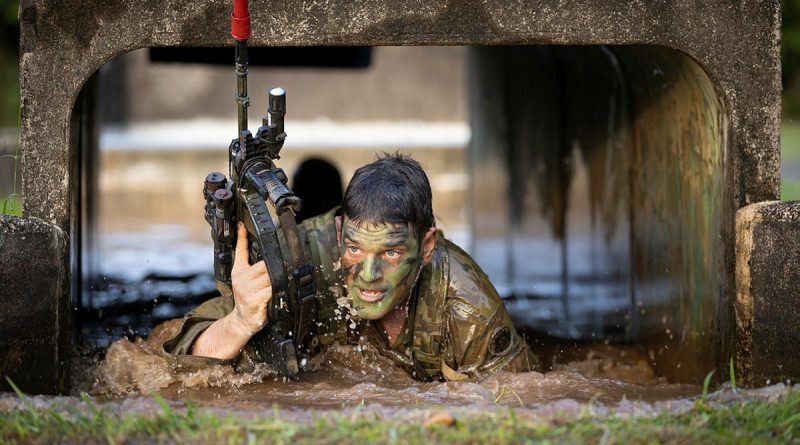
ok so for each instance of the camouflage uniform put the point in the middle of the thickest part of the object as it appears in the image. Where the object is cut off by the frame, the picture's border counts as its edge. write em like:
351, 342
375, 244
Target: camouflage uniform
457, 327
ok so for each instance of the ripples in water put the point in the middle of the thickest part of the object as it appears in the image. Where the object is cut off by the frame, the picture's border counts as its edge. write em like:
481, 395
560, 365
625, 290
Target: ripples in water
356, 375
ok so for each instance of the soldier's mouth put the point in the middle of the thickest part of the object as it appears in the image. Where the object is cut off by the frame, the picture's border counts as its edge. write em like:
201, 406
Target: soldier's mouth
370, 296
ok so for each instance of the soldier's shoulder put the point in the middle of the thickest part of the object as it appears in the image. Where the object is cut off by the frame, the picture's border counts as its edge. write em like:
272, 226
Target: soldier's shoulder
321, 222
470, 292
320, 234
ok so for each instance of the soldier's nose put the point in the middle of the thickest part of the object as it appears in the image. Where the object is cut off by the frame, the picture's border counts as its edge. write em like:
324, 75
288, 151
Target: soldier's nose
370, 270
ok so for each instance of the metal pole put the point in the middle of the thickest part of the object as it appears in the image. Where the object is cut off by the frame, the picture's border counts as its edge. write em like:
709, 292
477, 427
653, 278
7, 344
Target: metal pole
240, 30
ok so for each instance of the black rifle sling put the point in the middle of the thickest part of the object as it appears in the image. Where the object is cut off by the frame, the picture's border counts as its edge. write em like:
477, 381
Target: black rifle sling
267, 247
302, 274
271, 341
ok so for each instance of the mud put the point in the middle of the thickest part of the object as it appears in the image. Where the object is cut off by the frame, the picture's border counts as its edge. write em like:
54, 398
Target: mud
357, 375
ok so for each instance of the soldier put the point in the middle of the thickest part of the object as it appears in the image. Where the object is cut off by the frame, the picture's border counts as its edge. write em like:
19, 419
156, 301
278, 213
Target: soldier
417, 297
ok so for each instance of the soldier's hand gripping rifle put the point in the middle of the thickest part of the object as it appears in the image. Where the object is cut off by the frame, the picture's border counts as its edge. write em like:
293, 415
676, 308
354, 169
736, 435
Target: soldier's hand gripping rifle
255, 180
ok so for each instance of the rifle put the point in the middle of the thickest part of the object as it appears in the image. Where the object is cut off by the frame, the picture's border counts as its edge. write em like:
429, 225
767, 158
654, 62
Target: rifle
255, 180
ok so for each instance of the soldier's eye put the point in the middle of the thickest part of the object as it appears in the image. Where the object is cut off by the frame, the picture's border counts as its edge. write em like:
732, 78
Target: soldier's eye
392, 253
353, 249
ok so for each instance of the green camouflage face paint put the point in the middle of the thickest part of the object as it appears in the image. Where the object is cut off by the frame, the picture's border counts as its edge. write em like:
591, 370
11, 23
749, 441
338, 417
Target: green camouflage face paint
382, 262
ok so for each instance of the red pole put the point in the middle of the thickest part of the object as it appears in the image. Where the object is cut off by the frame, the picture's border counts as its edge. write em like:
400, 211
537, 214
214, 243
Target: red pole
240, 20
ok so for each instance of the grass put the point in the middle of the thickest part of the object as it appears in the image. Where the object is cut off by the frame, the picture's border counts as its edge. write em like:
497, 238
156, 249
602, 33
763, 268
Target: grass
11, 205
756, 422
706, 383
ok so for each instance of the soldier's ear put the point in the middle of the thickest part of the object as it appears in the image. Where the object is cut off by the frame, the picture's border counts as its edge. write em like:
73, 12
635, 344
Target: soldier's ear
428, 244
338, 221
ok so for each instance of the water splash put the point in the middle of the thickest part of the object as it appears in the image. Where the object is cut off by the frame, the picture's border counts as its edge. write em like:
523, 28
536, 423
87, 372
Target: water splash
354, 374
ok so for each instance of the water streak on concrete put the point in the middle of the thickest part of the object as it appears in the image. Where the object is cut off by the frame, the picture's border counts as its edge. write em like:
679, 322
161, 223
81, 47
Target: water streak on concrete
600, 177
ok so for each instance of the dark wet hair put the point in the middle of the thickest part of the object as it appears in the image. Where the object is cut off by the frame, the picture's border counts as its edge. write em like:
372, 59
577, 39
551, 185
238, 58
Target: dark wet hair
393, 189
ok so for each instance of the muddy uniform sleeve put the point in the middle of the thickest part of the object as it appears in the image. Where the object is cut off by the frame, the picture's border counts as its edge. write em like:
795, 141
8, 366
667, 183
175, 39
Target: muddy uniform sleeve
480, 338
177, 349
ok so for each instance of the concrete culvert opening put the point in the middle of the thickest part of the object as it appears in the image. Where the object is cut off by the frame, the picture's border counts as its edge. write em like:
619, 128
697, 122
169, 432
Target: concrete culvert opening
599, 188
589, 182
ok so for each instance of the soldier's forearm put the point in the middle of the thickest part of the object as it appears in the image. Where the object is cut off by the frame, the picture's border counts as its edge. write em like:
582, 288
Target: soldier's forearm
224, 339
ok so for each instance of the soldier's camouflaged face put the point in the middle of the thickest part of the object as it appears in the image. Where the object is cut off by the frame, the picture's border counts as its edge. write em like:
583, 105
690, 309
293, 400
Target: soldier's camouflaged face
382, 257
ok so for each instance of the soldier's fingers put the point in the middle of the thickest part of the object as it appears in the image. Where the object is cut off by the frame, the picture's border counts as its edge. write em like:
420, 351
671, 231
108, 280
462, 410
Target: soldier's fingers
255, 271
260, 268
264, 295
241, 258
261, 283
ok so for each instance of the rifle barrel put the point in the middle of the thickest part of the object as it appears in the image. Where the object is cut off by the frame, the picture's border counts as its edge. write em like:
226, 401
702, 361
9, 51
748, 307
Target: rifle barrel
242, 99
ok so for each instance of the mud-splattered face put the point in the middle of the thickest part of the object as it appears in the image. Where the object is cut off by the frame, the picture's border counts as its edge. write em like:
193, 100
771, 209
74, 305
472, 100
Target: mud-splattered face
381, 262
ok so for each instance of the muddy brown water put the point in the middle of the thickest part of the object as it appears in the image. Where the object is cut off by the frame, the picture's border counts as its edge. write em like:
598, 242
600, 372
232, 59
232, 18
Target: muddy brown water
354, 375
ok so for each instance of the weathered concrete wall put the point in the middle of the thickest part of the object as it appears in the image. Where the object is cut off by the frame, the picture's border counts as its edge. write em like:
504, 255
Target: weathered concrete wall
64, 42
34, 296
767, 292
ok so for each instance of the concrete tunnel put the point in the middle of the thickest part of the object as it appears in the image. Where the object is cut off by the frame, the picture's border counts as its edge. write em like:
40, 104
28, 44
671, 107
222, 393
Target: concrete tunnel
598, 173
605, 170
583, 163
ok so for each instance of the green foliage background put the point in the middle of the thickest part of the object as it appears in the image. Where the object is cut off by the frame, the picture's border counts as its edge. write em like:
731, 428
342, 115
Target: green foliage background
790, 77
